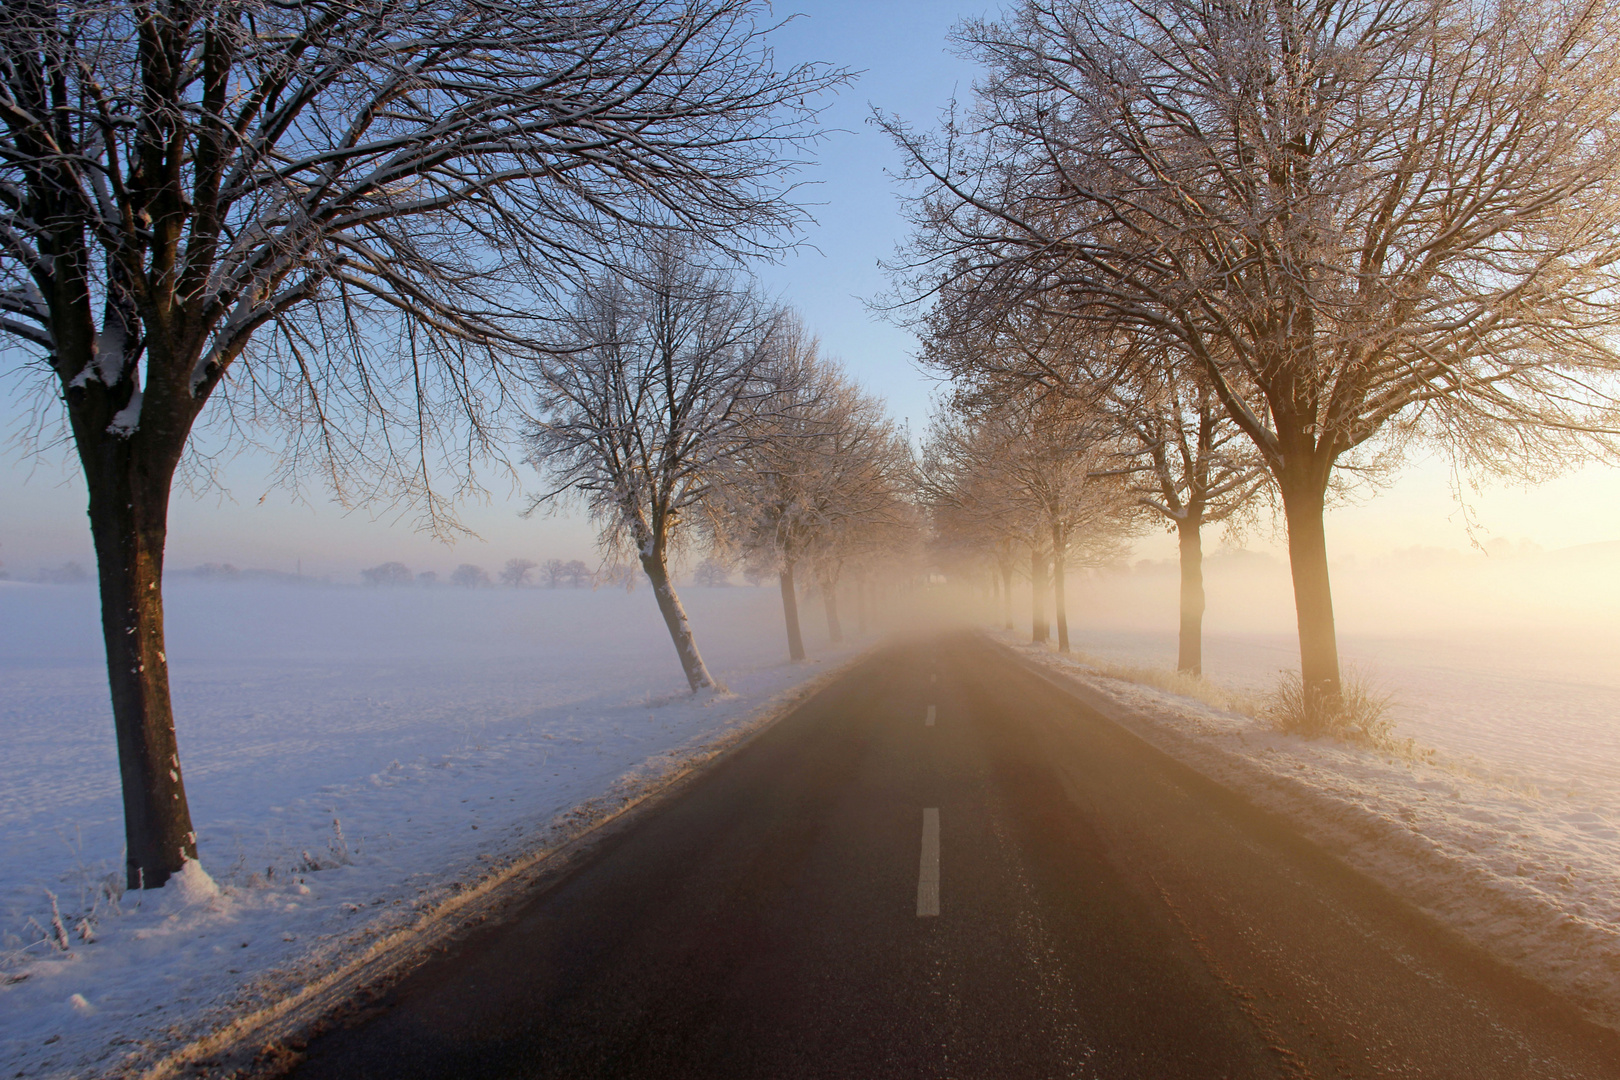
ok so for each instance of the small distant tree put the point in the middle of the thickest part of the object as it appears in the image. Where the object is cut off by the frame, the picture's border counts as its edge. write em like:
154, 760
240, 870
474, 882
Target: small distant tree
388, 573
427, 577
711, 573
618, 575
69, 573
578, 574
553, 572
468, 576
647, 401
517, 571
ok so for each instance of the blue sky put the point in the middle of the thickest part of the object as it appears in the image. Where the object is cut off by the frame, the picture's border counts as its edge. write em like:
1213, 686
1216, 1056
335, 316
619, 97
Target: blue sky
900, 50
907, 69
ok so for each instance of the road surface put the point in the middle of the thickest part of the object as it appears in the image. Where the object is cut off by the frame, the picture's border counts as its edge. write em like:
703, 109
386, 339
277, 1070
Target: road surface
944, 867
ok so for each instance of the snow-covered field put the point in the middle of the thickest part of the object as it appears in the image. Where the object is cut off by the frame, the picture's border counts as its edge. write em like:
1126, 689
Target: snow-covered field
359, 757
353, 757
1504, 820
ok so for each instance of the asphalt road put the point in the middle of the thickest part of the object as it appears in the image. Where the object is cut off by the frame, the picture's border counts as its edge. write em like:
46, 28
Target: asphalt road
942, 866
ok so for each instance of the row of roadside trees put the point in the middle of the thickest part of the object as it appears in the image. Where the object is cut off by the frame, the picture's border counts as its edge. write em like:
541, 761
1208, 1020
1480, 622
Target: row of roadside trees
1263, 249
682, 409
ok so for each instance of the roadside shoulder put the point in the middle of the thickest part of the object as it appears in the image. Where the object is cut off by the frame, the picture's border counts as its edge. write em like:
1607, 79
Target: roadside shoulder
1512, 872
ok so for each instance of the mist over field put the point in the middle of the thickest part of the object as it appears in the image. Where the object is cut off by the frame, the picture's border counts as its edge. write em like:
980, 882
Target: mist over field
1509, 659
1558, 610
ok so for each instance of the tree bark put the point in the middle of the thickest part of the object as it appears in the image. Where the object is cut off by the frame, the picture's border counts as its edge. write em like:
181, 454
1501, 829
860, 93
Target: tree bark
1060, 597
1006, 593
1037, 589
790, 612
128, 505
680, 628
829, 603
1190, 654
1304, 500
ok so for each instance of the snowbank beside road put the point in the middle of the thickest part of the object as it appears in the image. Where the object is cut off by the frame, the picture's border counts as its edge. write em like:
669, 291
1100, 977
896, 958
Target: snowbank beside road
1530, 872
354, 758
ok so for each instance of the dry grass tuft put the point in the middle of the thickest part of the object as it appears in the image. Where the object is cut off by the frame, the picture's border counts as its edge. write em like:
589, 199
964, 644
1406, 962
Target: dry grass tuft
1360, 716
1178, 682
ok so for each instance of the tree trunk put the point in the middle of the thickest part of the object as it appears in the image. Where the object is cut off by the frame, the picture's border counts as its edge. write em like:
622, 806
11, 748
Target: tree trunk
1037, 590
1006, 593
129, 526
790, 611
1190, 655
829, 602
1303, 505
1060, 596
680, 629
860, 605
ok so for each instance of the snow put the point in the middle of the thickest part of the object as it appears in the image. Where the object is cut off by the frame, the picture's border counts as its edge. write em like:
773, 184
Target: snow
1502, 815
354, 758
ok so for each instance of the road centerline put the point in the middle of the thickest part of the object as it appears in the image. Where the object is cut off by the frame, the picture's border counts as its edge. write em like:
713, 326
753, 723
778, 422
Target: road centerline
928, 871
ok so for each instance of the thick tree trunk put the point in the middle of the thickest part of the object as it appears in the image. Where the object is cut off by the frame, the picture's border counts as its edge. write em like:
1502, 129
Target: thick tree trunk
829, 603
1303, 506
1060, 594
1190, 655
1037, 589
680, 629
1006, 594
128, 525
790, 612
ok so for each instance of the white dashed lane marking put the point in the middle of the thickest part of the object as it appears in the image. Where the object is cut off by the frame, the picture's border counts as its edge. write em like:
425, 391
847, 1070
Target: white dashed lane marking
928, 872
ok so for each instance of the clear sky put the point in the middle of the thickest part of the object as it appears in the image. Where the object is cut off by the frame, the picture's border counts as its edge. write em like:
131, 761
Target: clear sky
906, 68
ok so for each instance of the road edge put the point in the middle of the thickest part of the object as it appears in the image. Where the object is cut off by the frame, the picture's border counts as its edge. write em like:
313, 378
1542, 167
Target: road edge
266, 1041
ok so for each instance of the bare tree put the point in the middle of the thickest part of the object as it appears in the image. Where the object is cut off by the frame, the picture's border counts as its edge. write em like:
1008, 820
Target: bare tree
618, 575
517, 571
388, 573
1042, 465
1193, 467
577, 574
468, 576
1188, 461
823, 481
1365, 222
712, 573
971, 508
647, 403
313, 212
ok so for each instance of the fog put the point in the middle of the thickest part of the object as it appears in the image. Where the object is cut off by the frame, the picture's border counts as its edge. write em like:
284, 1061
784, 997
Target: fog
1554, 612
1506, 663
